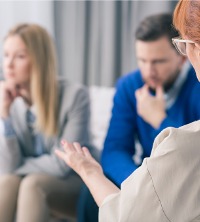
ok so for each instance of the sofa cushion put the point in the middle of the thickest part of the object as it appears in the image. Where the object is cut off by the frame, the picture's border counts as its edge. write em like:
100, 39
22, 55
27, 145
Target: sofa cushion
101, 107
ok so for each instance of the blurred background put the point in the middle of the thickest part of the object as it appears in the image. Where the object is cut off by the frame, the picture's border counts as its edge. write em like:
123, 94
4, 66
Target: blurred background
94, 39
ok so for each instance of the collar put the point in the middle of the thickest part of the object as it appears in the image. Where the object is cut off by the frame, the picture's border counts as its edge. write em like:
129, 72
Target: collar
172, 94
31, 114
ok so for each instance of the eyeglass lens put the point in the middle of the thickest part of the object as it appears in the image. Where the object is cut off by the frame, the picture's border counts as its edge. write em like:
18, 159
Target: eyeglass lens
181, 47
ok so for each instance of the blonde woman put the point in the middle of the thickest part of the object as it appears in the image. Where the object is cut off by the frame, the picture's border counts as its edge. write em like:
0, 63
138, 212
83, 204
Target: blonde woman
36, 111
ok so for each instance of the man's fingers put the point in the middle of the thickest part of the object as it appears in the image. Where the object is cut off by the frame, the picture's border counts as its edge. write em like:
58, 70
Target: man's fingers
159, 92
138, 93
142, 93
145, 88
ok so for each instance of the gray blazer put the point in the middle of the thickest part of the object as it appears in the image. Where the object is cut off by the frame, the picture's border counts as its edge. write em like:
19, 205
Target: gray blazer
17, 152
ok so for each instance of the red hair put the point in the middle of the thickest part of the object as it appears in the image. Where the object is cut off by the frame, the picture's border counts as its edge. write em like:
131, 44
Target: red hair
187, 19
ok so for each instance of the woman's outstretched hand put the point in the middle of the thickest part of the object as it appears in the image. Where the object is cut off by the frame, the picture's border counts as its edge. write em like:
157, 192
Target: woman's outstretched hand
81, 161
78, 158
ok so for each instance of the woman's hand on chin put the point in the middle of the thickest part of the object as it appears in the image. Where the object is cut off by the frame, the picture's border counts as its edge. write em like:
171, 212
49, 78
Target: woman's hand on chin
8, 92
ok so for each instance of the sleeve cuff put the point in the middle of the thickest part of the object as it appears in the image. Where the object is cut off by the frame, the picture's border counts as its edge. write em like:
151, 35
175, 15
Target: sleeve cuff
6, 128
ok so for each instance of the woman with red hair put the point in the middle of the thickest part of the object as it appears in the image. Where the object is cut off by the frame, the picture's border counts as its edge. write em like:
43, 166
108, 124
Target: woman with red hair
166, 187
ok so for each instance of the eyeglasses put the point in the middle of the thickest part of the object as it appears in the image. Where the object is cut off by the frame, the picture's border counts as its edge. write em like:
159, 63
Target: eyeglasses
180, 45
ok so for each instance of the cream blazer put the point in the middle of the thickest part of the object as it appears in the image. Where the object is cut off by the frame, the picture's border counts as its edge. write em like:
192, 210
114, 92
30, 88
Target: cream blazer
167, 185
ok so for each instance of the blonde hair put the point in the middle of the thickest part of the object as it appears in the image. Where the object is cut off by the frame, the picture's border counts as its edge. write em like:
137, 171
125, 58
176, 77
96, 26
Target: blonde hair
43, 84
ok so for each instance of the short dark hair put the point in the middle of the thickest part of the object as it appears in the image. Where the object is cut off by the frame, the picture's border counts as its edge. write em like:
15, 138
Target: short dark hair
156, 26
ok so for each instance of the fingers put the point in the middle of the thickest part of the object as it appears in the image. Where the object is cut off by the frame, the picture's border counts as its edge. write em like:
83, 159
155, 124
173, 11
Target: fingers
60, 154
86, 152
145, 89
8, 90
159, 92
142, 92
138, 93
78, 147
68, 147
72, 147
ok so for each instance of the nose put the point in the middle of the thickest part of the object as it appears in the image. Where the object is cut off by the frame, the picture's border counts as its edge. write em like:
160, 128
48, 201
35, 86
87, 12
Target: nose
9, 61
150, 69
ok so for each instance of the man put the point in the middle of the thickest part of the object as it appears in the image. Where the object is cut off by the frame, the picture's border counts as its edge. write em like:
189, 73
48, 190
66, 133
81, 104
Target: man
163, 92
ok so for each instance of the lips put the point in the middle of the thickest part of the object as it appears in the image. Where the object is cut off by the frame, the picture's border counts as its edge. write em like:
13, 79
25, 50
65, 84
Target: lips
152, 83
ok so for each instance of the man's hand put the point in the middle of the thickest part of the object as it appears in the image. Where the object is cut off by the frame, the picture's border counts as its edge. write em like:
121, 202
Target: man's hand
151, 108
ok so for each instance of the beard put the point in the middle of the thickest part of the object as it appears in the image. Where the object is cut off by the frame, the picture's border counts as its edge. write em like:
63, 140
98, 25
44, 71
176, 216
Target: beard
167, 85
